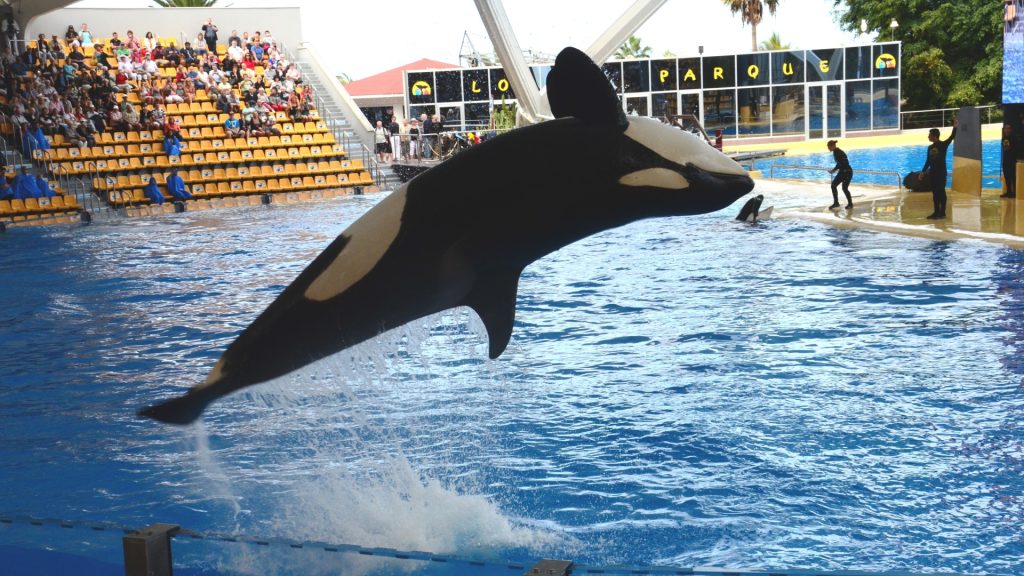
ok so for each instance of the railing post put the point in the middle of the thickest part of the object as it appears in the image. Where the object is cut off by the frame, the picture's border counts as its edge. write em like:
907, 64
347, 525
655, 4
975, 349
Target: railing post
550, 568
147, 552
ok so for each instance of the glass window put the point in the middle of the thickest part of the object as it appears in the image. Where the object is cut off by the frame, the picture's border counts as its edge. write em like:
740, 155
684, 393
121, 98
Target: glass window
787, 67
690, 104
886, 60
824, 65
636, 76
664, 104
663, 76
415, 111
449, 86
755, 118
452, 117
474, 85
540, 75
858, 106
858, 63
500, 86
788, 110
613, 71
720, 72
689, 74
720, 111
478, 115
420, 87
885, 104
752, 69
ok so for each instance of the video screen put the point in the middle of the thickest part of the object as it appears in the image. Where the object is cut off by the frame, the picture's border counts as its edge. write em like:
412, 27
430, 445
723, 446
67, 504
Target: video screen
1013, 51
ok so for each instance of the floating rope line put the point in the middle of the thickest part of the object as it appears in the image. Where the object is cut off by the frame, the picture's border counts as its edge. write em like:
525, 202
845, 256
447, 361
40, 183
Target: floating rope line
379, 552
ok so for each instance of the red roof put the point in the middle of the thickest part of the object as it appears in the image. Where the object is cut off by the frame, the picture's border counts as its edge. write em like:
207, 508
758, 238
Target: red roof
390, 82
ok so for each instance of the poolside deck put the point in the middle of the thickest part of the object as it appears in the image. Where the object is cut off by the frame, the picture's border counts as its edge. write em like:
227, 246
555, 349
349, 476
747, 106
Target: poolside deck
885, 208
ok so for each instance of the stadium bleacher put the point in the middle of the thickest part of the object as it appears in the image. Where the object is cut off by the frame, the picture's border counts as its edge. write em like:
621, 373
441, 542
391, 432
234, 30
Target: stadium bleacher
303, 162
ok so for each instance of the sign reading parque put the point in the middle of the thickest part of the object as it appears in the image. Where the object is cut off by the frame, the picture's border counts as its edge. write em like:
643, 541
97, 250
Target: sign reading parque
815, 93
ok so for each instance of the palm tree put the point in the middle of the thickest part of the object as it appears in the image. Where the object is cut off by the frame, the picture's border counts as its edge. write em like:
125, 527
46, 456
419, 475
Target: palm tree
632, 48
185, 3
751, 12
774, 43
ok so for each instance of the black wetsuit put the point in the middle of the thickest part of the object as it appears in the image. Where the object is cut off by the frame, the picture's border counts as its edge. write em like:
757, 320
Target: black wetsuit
935, 169
843, 176
1011, 152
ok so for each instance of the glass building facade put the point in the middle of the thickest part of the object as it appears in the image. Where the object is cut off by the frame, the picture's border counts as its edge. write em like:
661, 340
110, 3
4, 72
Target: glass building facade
823, 93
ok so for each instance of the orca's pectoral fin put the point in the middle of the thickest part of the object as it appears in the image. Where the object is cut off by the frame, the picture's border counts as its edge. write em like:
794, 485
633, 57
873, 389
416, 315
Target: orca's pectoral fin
494, 300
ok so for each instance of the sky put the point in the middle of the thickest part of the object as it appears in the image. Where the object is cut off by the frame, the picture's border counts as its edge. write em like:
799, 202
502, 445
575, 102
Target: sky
362, 38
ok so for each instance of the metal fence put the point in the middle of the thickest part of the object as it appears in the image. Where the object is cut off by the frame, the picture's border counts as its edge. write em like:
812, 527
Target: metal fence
148, 551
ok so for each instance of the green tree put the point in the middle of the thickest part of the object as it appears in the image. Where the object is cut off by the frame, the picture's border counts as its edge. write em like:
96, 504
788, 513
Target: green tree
633, 48
774, 43
951, 52
751, 12
185, 3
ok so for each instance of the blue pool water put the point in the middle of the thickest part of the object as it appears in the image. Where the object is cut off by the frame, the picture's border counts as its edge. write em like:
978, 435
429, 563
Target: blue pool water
901, 159
682, 392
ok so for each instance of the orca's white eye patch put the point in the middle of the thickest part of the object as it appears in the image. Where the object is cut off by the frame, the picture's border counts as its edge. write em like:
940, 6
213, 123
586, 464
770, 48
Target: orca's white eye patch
655, 177
680, 147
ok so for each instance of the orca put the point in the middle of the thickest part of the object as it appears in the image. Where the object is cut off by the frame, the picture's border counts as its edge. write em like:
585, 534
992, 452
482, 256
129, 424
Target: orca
751, 210
461, 233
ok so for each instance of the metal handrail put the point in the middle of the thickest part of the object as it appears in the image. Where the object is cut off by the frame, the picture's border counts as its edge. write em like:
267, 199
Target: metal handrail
899, 179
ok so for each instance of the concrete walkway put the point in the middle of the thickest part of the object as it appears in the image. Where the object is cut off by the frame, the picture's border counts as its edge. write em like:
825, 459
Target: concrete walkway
987, 217
885, 208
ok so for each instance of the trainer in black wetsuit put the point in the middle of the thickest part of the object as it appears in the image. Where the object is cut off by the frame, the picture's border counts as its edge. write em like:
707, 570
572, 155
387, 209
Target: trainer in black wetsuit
1011, 145
935, 169
844, 175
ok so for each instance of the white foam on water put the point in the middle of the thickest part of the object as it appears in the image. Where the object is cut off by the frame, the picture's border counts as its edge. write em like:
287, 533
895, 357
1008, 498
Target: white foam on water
356, 461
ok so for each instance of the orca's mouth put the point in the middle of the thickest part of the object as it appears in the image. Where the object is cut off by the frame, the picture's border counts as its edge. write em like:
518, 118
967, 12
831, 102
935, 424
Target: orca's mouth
726, 187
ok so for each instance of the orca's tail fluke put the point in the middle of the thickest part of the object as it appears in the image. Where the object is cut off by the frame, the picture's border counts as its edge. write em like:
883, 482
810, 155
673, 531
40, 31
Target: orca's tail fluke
182, 410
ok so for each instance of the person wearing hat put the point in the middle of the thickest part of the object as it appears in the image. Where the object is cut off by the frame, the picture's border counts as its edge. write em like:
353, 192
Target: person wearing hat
935, 169
843, 174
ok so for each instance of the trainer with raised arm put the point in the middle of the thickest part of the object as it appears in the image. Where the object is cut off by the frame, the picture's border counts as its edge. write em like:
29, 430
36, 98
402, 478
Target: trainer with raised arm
935, 169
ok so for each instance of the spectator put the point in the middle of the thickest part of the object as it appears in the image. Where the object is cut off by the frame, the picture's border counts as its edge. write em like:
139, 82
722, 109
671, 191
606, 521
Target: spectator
132, 43
172, 55
396, 138
71, 36
172, 144
6, 192
176, 187
210, 35
149, 42
25, 185
115, 42
85, 37
189, 55
233, 126
131, 117
152, 191
100, 57
43, 189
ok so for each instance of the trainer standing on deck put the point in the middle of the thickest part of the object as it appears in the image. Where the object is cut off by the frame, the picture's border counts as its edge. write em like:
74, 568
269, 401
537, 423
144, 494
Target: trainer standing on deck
1011, 145
844, 175
935, 169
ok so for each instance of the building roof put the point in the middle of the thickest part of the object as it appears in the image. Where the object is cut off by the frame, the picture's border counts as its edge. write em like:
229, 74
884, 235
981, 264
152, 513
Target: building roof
390, 82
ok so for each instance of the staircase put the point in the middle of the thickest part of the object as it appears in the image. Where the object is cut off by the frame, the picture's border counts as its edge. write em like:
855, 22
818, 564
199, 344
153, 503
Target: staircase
342, 126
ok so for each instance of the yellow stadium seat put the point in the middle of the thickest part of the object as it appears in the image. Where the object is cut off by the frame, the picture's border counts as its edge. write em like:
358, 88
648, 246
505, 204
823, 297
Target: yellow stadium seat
273, 185
223, 156
18, 206
223, 188
32, 205
259, 184
120, 137
198, 189
206, 174
133, 150
243, 171
133, 136
218, 174
246, 154
70, 202
248, 186
57, 203
148, 161
284, 139
258, 155
231, 173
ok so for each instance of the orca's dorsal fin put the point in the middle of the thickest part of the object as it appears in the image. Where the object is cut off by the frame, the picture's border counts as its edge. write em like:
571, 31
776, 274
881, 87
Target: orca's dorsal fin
577, 87
494, 300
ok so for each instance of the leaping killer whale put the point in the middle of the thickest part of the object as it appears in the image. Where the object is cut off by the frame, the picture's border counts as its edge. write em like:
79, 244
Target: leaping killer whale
461, 233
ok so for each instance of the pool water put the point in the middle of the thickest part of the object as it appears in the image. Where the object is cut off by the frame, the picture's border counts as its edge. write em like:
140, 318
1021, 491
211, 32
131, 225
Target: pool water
901, 159
687, 391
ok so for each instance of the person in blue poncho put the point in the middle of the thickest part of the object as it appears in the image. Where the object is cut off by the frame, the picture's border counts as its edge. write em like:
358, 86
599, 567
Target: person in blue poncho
176, 187
33, 139
152, 191
25, 185
172, 144
6, 192
43, 189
